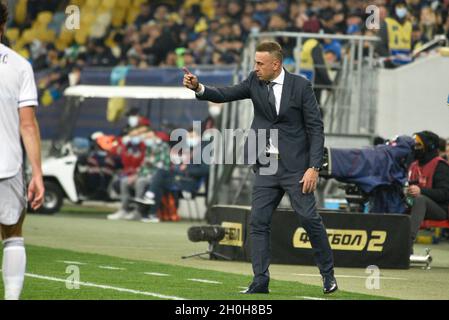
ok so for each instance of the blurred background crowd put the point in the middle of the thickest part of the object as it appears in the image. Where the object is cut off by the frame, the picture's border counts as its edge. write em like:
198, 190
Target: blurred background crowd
175, 33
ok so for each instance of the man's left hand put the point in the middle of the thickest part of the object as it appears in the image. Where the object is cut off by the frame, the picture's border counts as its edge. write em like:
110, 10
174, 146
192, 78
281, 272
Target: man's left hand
414, 191
309, 181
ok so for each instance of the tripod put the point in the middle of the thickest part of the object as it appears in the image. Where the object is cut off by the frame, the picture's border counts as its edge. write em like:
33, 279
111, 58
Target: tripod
209, 252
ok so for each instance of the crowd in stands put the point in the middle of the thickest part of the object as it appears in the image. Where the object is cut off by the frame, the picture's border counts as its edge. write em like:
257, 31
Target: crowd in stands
177, 33
174, 33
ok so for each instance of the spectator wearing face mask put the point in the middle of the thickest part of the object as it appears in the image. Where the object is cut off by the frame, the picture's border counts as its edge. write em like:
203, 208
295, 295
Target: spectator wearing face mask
184, 175
396, 36
157, 157
132, 156
429, 182
135, 119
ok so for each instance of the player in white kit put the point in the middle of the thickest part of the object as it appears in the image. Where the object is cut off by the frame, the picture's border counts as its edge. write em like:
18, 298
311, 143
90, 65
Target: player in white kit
18, 99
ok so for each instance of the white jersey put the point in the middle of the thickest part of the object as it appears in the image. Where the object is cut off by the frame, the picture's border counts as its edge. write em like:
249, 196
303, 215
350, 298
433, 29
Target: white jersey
17, 90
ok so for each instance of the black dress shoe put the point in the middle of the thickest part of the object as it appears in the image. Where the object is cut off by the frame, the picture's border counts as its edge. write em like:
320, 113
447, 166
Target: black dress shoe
255, 289
329, 284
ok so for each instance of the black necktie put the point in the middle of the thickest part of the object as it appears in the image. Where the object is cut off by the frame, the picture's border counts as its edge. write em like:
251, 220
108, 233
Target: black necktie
271, 97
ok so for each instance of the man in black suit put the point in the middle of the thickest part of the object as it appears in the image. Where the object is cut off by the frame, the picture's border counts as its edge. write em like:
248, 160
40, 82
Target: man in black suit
285, 103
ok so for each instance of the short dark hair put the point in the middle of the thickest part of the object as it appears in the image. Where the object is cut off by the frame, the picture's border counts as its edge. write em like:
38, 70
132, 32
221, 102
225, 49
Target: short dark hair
272, 47
3, 13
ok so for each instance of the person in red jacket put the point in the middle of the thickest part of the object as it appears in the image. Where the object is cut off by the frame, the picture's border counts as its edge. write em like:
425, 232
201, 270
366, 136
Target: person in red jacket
132, 153
429, 182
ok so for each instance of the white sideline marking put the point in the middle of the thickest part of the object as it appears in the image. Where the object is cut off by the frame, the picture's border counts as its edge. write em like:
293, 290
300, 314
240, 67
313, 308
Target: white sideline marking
110, 268
101, 286
204, 281
310, 298
344, 276
72, 262
157, 274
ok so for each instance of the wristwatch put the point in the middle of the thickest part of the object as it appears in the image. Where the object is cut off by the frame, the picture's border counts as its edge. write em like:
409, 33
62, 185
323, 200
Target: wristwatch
316, 169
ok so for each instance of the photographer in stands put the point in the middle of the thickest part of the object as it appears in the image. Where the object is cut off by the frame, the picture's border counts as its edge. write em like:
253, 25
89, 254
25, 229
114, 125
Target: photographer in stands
429, 182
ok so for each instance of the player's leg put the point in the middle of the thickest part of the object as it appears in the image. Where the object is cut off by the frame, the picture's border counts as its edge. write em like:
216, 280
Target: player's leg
12, 214
14, 259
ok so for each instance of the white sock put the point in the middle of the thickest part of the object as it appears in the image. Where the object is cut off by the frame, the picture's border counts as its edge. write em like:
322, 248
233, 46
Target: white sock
14, 262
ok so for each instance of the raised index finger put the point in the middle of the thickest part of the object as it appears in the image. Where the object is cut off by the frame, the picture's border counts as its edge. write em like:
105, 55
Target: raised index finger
186, 71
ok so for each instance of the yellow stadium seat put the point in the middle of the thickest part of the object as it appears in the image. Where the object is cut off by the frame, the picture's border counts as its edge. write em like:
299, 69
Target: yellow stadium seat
109, 4
12, 34
88, 18
123, 4
66, 36
44, 18
78, 3
110, 40
118, 17
49, 36
61, 45
92, 4
21, 12
81, 36
17, 47
39, 33
138, 3
28, 36
132, 16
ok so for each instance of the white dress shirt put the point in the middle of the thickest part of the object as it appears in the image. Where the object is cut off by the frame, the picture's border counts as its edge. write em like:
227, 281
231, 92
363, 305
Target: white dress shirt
277, 89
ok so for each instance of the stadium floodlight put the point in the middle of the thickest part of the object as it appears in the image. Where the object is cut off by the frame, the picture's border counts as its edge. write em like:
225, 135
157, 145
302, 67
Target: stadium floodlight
210, 233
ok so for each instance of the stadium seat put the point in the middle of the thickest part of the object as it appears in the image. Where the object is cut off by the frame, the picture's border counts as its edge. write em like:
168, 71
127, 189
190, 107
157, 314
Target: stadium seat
49, 36
78, 3
88, 19
44, 18
138, 3
21, 12
124, 4
66, 35
61, 45
28, 36
118, 17
81, 36
426, 224
12, 34
132, 15
92, 4
108, 4
435, 227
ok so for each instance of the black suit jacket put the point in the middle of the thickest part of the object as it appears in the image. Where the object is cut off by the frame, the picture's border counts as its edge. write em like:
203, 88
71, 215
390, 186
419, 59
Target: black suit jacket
299, 123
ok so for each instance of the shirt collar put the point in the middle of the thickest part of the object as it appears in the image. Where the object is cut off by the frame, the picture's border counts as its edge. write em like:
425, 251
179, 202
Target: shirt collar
280, 78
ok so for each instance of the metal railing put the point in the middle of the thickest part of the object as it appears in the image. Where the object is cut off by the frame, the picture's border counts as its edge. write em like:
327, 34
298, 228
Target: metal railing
350, 104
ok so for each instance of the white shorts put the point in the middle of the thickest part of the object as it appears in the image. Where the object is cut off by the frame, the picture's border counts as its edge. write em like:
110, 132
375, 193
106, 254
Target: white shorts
12, 199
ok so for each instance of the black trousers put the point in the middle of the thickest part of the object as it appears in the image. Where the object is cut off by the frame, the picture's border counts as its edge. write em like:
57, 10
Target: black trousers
267, 193
424, 208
